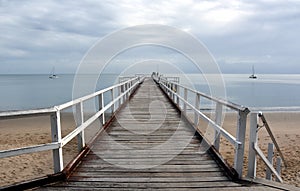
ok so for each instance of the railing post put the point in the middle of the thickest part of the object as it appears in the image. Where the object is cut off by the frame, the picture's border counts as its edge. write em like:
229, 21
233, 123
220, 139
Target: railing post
270, 159
101, 105
197, 105
122, 91
278, 167
178, 93
79, 120
119, 93
252, 140
126, 88
185, 99
172, 94
218, 120
240, 136
56, 137
112, 99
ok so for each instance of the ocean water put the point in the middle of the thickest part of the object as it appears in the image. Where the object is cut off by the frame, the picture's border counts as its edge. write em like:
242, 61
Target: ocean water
22, 92
268, 92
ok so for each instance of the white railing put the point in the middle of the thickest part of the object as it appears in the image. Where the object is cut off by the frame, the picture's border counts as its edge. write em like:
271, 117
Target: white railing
254, 149
171, 86
120, 93
173, 89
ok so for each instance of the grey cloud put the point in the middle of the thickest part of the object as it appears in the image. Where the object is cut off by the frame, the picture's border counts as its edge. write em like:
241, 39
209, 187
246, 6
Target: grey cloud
238, 33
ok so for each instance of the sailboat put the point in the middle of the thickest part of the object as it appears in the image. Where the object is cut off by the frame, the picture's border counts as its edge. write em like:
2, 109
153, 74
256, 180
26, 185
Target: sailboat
53, 75
253, 76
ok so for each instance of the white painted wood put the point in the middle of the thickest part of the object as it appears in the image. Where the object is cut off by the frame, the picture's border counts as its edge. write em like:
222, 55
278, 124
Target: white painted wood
92, 95
56, 137
185, 99
26, 113
119, 93
266, 161
57, 141
228, 104
270, 158
218, 120
197, 106
252, 162
240, 136
112, 98
29, 149
177, 93
79, 119
224, 133
101, 105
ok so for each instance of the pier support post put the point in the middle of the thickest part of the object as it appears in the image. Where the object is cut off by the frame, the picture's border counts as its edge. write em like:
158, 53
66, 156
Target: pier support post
240, 135
56, 137
79, 120
252, 140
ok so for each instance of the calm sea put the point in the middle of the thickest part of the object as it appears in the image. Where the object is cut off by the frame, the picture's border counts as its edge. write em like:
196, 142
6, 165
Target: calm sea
268, 92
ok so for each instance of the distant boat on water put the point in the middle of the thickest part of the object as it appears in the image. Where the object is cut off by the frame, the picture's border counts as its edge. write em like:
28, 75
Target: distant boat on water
52, 74
253, 76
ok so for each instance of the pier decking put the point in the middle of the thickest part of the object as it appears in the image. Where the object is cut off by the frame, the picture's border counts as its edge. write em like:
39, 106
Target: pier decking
150, 149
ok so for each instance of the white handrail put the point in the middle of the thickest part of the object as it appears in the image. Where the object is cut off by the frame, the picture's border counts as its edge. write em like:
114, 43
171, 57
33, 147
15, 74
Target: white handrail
227, 135
172, 89
217, 100
127, 89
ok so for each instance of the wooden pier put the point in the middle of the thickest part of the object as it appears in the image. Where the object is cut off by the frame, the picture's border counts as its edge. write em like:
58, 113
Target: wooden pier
147, 144
111, 167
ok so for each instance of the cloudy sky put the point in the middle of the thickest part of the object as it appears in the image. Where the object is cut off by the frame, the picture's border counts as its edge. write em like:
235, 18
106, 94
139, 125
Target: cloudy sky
37, 35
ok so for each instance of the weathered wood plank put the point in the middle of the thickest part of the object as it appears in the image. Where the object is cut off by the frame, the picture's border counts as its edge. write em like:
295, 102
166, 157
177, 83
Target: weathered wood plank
148, 174
158, 185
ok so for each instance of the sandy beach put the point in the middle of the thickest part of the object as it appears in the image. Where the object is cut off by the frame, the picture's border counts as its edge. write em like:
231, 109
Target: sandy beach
30, 131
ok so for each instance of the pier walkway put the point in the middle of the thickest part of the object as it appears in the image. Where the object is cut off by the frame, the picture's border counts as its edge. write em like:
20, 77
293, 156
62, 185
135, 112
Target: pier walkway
150, 145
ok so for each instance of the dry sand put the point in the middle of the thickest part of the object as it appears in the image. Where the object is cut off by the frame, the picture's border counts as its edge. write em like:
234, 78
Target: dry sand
31, 131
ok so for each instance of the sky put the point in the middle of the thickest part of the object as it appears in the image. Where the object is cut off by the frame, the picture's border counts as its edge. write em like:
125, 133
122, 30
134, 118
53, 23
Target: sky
36, 36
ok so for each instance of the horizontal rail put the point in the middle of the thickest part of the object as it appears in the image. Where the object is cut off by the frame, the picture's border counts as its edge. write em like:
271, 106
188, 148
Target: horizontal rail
87, 97
175, 93
218, 100
227, 135
125, 89
29, 149
27, 113
89, 121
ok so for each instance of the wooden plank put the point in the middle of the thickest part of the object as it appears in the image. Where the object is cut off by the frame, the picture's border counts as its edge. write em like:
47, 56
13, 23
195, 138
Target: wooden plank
147, 179
217, 188
151, 170
158, 185
148, 174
